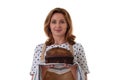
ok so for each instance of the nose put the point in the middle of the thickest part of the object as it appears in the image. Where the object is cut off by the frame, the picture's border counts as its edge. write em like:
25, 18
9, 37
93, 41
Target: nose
58, 24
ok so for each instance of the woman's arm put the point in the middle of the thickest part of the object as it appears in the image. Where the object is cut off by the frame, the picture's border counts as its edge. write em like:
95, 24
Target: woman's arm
81, 59
36, 60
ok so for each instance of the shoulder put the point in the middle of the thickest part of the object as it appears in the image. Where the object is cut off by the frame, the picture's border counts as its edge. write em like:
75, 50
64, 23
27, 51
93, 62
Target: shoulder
78, 45
39, 47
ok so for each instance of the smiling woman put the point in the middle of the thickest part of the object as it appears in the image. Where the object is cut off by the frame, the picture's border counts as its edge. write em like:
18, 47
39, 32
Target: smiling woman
63, 16
58, 28
58, 25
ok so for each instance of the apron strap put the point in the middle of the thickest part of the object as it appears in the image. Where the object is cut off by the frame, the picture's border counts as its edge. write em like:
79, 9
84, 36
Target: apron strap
71, 49
43, 51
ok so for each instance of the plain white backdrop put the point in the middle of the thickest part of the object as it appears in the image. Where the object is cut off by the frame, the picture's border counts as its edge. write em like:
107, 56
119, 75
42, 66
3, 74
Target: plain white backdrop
96, 25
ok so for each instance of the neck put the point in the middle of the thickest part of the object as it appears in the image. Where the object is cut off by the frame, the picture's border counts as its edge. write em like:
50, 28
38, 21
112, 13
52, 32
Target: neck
59, 40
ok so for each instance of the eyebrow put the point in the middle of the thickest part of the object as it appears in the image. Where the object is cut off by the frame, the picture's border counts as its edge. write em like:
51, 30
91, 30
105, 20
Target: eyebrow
55, 19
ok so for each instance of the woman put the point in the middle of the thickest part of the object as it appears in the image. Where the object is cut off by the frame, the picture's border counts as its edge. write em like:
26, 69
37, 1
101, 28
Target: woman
58, 28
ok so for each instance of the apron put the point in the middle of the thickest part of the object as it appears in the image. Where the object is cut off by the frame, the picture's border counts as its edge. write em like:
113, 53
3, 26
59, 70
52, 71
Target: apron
59, 71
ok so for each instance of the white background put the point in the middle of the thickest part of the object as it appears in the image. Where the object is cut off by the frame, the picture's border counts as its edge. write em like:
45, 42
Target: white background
96, 25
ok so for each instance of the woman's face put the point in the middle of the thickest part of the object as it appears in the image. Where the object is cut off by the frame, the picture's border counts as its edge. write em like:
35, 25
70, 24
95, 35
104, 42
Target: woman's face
58, 25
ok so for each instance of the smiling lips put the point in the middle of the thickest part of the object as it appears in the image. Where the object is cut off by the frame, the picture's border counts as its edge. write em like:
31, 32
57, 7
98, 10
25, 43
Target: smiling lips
59, 30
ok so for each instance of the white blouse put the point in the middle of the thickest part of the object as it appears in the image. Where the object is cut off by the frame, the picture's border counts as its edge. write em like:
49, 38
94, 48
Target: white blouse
79, 55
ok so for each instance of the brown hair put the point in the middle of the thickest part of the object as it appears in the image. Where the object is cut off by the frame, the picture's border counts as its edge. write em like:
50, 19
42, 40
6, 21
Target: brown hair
69, 37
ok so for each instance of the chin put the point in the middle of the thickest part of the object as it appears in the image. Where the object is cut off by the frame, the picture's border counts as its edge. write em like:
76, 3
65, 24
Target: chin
59, 35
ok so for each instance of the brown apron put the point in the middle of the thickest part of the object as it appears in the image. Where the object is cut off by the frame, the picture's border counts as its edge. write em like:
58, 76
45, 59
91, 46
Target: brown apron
59, 56
54, 76
54, 73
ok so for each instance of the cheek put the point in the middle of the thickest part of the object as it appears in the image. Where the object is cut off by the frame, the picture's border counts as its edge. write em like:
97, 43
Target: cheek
50, 27
65, 28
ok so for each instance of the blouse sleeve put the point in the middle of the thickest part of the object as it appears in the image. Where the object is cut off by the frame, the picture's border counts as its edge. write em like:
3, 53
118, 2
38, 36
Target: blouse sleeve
81, 58
36, 59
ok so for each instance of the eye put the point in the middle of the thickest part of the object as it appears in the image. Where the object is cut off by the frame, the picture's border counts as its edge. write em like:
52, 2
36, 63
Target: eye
53, 22
62, 21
